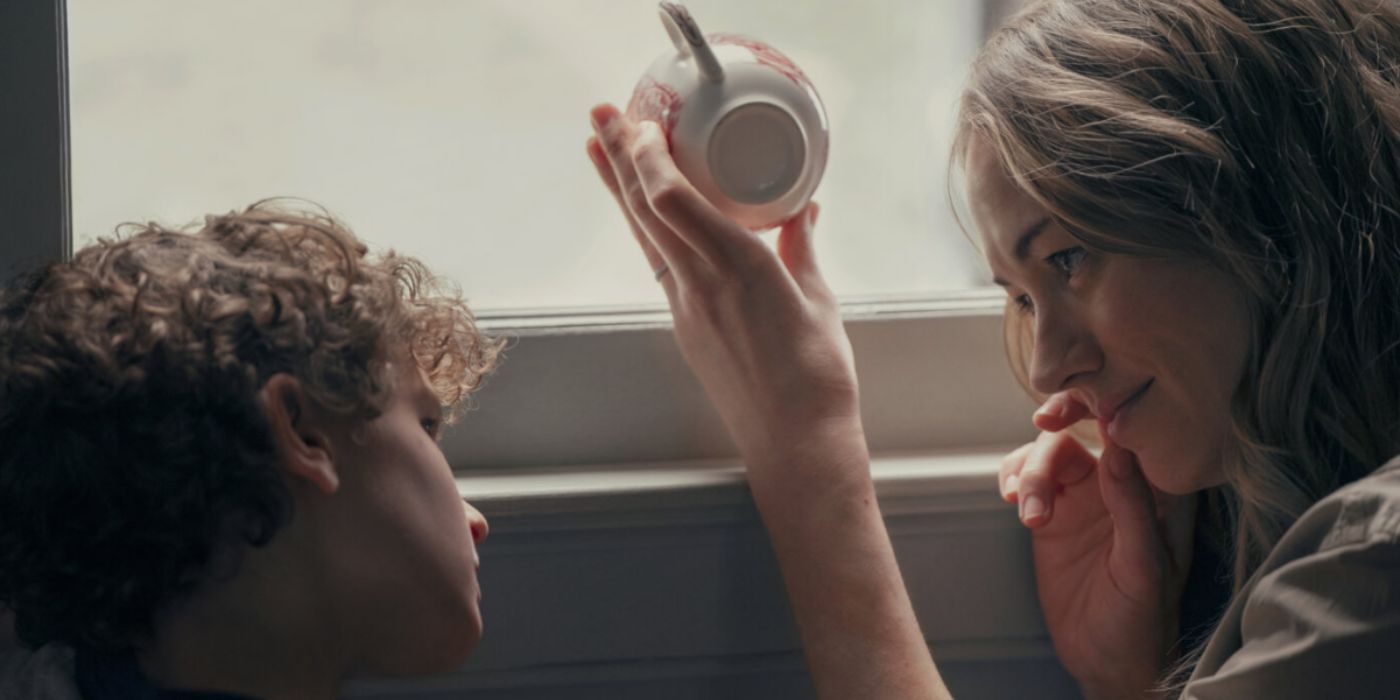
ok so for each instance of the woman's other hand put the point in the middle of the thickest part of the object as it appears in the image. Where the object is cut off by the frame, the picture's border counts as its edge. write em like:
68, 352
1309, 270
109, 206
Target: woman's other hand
1111, 554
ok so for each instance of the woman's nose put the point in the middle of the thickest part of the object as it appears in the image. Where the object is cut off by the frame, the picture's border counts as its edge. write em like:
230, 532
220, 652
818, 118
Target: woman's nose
480, 528
1062, 349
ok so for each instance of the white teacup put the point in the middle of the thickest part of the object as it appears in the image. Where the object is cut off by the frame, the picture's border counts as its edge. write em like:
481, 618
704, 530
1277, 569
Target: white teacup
745, 125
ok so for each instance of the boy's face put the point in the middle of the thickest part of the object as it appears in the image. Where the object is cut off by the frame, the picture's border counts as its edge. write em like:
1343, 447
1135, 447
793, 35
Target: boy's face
405, 540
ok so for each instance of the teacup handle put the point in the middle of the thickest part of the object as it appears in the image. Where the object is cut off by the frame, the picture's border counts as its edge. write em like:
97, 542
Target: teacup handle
690, 41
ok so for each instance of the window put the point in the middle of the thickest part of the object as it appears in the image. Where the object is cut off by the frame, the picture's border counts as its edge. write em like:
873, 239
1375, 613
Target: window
453, 129
424, 125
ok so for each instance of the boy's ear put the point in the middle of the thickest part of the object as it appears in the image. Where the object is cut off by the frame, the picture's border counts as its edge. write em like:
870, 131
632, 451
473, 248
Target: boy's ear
300, 440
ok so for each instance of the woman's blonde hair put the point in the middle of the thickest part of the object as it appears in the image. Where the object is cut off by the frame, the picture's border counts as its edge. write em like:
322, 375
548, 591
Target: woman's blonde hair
1259, 136
132, 444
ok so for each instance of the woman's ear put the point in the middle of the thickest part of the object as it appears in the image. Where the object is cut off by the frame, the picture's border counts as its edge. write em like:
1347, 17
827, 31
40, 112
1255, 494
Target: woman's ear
299, 436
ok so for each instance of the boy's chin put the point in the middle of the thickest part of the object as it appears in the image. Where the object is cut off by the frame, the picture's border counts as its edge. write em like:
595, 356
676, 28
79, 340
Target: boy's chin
443, 655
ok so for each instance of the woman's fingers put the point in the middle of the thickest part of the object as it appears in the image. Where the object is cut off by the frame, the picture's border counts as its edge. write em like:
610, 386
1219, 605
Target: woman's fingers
617, 136
675, 224
1060, 411
684, 210
1055, 460
1008, 477
605, 173
1137, 538
796, 252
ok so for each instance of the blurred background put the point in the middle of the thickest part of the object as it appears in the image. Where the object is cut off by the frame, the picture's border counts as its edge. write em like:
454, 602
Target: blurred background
454, 129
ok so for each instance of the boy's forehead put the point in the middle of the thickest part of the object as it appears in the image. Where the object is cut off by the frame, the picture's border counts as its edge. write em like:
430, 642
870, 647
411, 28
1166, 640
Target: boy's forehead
411, 380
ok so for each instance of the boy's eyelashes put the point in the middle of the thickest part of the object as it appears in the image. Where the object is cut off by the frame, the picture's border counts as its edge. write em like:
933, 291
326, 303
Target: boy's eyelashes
432, 426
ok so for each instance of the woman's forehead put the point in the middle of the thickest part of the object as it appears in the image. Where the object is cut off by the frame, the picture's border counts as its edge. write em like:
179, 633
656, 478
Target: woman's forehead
1007, 218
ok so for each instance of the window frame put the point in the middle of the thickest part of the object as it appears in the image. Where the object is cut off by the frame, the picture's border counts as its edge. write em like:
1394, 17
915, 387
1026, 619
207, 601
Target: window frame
34, 185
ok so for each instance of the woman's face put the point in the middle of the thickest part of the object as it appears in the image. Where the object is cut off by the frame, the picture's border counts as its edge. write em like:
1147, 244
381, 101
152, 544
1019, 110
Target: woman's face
1154, 348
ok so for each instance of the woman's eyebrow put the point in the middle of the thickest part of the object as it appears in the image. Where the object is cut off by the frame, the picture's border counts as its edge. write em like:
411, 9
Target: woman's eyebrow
1023, 244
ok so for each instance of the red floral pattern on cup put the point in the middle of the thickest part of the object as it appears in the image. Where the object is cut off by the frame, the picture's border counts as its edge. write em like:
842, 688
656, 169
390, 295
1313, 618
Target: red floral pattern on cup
655, 101
763, 53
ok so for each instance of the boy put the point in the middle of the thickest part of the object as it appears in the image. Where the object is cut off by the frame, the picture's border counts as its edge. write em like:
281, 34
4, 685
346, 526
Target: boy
218, 452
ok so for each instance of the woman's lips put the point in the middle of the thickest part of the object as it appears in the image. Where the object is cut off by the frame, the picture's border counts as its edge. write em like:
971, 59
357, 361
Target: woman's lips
1115, 425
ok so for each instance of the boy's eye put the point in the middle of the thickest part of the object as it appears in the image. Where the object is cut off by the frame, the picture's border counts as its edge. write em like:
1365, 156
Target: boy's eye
1067, 261
431, 426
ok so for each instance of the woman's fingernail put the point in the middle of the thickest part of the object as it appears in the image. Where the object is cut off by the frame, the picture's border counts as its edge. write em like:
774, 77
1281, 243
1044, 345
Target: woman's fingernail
602, 116
1032, 507
1013, 482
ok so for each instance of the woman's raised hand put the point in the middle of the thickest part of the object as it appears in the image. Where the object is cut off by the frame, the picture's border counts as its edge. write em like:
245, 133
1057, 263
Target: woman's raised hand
1111, 554
762, 332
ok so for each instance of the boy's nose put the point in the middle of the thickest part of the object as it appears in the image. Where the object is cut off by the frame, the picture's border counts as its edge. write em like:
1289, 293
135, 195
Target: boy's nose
479, 527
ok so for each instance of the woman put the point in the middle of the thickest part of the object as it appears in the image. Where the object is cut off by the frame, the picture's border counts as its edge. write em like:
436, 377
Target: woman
1194, 207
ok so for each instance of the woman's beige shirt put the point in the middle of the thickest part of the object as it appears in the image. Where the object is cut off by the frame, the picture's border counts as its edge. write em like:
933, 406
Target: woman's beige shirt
1321, 617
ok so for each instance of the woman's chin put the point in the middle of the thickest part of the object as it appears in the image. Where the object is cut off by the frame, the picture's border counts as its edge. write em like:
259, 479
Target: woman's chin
1174, 480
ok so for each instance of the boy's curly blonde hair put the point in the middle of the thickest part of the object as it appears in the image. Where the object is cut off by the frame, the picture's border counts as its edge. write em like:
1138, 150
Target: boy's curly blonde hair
131, 440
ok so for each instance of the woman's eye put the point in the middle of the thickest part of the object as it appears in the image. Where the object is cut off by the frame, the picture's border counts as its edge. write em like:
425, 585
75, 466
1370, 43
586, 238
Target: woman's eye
1023, 303
1067, 261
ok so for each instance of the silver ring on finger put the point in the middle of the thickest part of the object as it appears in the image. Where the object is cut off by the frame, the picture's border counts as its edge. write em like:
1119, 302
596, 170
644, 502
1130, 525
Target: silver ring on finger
661, 271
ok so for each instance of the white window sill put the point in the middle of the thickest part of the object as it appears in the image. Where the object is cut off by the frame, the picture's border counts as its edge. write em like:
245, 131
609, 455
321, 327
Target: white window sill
948, 479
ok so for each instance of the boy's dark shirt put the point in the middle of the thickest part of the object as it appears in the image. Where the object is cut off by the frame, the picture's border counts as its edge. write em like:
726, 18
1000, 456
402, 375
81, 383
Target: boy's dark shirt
117, 677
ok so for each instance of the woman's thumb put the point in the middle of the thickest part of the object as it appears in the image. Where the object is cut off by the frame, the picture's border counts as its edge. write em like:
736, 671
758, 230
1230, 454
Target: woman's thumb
1137, 540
